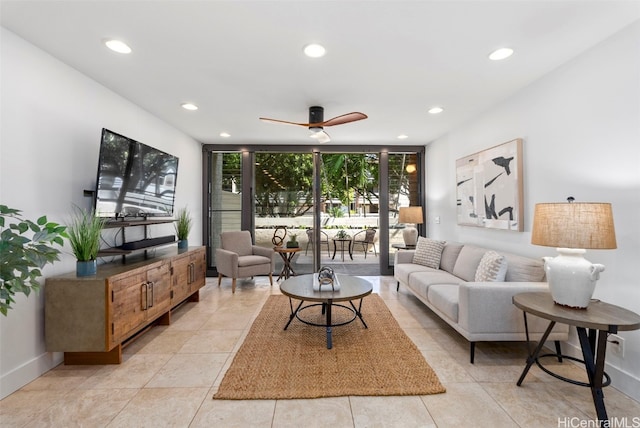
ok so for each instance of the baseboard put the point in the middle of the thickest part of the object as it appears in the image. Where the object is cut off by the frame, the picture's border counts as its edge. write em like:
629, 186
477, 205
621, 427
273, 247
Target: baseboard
620, 380
20, 376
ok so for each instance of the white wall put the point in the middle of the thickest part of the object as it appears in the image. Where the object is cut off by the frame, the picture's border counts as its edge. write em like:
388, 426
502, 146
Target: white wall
581, 131
52, 117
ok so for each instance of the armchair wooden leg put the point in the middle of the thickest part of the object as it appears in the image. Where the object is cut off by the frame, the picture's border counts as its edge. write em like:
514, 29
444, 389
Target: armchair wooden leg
233, 285
271, 279
219, 279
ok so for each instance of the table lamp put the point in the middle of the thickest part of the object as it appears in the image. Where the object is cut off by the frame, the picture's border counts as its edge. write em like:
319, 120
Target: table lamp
572, 228
410, 216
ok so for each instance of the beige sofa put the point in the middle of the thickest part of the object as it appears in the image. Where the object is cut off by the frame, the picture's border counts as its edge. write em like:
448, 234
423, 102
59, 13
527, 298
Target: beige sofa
478, 310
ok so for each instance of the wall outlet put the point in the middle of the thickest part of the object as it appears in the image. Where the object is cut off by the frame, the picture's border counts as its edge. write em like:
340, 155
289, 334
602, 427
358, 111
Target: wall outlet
616, 345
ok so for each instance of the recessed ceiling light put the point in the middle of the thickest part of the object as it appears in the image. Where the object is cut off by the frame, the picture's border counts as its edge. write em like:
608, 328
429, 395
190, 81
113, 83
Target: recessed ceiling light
436, 110
501, 53
117, 46
225, 135
314, 50
402, 137
189, 106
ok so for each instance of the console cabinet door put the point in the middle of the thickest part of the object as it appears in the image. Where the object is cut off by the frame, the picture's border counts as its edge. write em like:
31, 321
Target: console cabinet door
189, 274
128, 305
159, 290
181, 269
198, 258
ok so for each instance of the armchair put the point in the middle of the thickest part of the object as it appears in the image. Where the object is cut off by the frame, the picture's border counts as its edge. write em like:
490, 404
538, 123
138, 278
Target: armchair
365, 238
237, 257
324, 240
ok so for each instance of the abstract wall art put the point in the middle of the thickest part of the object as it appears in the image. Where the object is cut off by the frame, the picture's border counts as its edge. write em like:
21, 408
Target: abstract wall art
489, 188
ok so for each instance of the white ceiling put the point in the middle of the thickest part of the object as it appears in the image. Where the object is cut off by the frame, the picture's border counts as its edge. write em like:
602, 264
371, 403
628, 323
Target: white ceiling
239, 60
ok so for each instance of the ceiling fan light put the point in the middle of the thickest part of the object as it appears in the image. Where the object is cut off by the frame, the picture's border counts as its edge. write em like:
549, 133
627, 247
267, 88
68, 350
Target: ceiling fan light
319, 135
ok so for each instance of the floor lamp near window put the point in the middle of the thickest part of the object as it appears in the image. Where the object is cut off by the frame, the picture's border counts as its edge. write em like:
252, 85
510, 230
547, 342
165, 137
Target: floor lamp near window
410, 216
572, 228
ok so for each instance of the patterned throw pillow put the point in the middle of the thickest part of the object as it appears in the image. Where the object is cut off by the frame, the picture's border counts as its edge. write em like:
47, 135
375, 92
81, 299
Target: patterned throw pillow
492, 268
428, 252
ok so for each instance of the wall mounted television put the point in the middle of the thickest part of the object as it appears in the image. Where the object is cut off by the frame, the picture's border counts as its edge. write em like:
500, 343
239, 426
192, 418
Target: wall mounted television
134, 180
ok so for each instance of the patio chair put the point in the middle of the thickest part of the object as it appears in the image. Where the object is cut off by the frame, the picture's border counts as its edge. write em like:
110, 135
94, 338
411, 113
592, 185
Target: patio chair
324, 240
237, 257
365, 238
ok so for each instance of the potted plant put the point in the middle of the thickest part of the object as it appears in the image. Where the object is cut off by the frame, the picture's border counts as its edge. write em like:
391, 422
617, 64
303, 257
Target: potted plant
21, 257
292, 243
183, 227
342, 234
84, 232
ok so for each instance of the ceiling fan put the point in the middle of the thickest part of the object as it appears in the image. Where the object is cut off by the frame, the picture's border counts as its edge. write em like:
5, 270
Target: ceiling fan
317, 123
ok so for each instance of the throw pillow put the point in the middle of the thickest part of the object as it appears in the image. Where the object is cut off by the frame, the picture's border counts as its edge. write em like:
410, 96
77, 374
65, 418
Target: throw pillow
428, 252
492, 268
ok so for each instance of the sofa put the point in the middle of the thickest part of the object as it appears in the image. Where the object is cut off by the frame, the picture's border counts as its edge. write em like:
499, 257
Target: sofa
471, 289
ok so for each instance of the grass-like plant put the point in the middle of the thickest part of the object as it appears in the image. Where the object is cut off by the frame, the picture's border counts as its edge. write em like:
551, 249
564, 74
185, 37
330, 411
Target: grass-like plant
21, 257
84, 232
183, 223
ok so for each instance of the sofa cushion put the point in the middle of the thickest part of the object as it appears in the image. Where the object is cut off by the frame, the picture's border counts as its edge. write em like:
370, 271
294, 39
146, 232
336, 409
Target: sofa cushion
492, 268
445, 298
402, 271
428, 252
468, 261
524, 269
450, 254
420, 282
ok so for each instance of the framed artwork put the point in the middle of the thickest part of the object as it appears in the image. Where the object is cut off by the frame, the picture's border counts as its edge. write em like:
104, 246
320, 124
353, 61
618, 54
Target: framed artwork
489, 188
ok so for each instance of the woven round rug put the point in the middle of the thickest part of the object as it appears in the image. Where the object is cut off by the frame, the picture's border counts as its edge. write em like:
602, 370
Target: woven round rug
273, 363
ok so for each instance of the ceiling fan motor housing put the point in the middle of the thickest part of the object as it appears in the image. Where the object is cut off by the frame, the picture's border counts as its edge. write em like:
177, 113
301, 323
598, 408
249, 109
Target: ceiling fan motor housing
316, 115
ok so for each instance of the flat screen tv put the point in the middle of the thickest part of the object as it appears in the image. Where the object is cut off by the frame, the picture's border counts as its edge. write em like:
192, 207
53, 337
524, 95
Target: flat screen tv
134, 180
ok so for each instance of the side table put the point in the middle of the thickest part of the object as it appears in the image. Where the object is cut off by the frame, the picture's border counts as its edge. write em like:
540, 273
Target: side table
342, 241
593, 325
287, 255
403, 247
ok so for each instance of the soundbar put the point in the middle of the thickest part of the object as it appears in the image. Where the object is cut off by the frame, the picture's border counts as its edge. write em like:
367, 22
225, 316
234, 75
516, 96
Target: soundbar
149, 242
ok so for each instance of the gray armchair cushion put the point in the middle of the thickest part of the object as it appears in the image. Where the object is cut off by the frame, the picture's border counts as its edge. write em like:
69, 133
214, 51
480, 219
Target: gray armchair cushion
237, 241
252, 260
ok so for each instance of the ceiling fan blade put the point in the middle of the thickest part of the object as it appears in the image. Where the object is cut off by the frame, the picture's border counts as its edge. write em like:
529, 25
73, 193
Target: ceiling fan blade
345, 118
286, 122
321, 136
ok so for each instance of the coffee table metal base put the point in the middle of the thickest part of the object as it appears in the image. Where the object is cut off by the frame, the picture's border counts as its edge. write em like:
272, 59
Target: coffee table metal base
326, 310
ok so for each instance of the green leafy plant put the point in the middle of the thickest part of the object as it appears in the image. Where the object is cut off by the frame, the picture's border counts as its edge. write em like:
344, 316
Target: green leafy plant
183, 223
84, 231
21, 257
342, 234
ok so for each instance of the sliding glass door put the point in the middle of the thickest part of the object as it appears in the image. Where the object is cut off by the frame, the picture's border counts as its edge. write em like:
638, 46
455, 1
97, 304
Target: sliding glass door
340, 205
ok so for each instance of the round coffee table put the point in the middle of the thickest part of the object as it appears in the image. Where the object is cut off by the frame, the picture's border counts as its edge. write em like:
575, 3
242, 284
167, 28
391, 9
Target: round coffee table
301, 288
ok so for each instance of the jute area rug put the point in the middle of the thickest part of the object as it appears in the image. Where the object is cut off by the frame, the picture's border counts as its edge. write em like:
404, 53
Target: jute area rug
276, 364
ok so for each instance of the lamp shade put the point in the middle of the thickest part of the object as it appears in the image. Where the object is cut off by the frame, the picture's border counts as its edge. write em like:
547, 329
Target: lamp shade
410, 215
573, 225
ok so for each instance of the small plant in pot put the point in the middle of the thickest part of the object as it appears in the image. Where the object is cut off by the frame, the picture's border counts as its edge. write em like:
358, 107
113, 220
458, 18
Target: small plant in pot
292, 242
342, 234
84, 232
183, 227
21, 257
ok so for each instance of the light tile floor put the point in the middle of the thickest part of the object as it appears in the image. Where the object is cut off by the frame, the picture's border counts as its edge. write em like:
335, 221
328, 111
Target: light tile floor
170, 374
